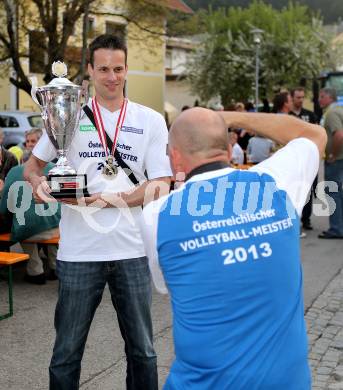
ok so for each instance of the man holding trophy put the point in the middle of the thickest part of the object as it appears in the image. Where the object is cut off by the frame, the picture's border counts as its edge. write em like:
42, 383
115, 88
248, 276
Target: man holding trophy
111, 147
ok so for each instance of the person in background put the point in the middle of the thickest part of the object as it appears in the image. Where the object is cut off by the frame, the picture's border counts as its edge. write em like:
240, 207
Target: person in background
18, 152
237, 152
259, 149
23, 151
7, 161
233, 272
298, 97
282, 103
249, 107
243, 136
239, 107
216, 106
266, 106
37, 222
297, 109
333, 166
32, 136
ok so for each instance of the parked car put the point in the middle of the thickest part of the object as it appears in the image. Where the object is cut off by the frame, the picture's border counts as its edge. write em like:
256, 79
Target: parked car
15, 123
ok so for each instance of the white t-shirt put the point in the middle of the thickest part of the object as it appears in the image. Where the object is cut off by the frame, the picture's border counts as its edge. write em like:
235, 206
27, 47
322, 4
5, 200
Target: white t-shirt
94, 234
293, 168
237, 154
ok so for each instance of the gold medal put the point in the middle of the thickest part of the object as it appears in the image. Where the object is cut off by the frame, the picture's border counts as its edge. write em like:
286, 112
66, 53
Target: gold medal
110, 170
109, 160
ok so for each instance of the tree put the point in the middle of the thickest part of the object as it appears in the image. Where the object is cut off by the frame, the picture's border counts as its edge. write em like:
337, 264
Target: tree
294, 46
48, 25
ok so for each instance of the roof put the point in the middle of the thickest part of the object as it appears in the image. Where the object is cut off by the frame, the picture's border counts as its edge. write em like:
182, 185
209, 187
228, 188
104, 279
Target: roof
179, 5
181, 43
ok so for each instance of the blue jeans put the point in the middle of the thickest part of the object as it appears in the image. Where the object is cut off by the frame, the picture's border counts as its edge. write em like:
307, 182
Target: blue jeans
334, 172
81, 285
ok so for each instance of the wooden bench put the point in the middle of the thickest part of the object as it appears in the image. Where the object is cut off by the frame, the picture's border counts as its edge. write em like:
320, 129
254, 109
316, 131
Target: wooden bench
7, 259
6, 237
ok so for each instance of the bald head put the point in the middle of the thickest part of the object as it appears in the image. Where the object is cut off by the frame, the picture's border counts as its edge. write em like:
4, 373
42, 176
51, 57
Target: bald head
199, 131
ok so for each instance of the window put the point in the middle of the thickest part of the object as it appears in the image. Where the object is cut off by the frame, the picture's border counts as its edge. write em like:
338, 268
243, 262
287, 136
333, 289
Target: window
35, 121
8, 121
116, 29
37, 56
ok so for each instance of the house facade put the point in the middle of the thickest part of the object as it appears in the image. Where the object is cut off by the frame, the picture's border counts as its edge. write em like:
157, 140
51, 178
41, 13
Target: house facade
177, 90
146, 55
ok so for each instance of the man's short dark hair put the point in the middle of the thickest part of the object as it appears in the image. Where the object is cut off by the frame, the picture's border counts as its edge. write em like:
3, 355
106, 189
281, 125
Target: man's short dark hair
300, 89
279, 100
107, 41
330, 92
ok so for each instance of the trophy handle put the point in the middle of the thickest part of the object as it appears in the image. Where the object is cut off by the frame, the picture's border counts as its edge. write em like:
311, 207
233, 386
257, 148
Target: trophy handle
34, 91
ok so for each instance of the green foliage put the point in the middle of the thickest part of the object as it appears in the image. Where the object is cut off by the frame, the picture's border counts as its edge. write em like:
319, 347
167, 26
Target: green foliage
293, 46
179, 24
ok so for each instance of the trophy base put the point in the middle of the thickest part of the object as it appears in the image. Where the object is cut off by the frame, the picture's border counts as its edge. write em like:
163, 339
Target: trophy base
68, 186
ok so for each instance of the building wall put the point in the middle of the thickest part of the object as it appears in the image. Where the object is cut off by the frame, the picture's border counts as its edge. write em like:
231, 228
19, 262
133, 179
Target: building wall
178, 94
145, 82
5, 95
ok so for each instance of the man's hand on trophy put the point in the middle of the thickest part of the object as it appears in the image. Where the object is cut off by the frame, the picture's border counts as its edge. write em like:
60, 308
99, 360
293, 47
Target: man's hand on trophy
99, 200
41, 190
93, 200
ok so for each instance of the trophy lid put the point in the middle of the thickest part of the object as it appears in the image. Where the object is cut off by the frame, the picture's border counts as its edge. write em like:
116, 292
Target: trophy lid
60, 70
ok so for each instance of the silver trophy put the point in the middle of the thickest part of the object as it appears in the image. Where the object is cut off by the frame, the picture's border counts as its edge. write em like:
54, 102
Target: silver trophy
61, 103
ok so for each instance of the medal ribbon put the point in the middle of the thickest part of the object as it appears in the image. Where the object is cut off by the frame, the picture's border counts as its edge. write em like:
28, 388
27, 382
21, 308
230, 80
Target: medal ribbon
101, 128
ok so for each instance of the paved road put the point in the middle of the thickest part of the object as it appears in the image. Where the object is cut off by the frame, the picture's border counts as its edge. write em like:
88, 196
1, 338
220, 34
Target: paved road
321, 259
325, 332
26, 339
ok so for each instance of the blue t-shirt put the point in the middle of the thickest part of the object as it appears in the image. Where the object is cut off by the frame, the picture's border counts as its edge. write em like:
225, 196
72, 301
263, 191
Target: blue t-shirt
228, 247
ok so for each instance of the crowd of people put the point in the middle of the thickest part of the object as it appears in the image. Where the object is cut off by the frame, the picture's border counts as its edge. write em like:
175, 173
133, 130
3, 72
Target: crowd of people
250, 148
233, 270
33, 223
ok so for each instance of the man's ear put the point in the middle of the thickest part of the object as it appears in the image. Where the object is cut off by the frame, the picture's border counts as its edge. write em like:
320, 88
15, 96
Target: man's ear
176, 160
